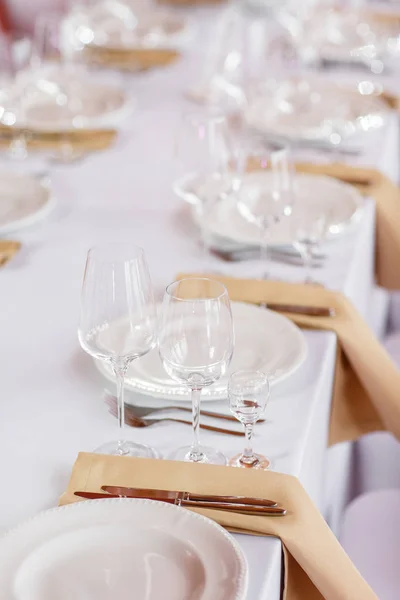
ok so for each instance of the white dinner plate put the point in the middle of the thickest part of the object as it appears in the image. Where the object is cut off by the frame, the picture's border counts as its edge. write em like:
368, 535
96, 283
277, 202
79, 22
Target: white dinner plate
121, 548
264, 340
343, 202
116, 25
24, 200
298, 109
91, 103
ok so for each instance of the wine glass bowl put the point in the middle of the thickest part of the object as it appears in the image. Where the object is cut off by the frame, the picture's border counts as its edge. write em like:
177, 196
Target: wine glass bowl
196, 343
248, 393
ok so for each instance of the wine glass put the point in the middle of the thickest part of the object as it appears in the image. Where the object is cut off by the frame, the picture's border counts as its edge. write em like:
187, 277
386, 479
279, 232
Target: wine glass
13, 98
311, 220
248, 393
196, 343
268, 195
206, 156
58, 73
118, 321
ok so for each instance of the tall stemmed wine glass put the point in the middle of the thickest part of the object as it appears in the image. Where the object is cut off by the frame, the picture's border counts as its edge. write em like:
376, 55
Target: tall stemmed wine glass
118, 321
268, 195
311, 222
205, 152
196, 343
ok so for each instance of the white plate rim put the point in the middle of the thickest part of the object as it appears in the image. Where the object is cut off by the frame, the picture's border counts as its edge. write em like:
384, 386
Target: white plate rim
359, 202
243, 576
311, 133
179, 393
38, 215
107, 119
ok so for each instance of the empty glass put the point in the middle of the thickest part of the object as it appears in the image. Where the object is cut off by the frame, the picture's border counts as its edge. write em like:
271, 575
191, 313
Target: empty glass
268, 196
118, 321
311, 220
196, 343
206, 156
248, 393
13, 98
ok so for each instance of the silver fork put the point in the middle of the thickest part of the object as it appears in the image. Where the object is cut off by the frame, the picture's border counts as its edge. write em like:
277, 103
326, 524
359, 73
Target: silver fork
143, 411
134, 421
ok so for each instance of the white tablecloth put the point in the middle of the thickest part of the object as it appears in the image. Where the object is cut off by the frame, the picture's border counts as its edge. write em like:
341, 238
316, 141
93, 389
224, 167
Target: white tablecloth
51, 406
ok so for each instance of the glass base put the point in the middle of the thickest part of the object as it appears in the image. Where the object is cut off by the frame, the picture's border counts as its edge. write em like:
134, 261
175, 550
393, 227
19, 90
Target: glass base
260, 462
127, 449
206, 455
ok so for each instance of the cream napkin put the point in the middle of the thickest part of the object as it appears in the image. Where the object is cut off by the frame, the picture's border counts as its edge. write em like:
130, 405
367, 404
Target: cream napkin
367, 382
316, 567
86, 140
139, 59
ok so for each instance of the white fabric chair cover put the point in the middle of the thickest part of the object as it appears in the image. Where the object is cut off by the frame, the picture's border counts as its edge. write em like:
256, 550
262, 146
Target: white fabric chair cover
370, 534
377, 456
394, 312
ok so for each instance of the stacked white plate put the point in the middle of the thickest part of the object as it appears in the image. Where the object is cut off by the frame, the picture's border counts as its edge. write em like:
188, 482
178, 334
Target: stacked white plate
225, 221
57, 99
312, 110
264, 340
24, 200
123, 548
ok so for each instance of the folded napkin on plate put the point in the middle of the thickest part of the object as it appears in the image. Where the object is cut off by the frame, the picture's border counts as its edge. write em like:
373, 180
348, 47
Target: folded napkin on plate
316, 567
387, 198
86, 140
139, 59
367, 382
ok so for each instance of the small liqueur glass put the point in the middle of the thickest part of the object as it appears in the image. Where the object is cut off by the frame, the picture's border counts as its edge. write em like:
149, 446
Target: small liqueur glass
248, 393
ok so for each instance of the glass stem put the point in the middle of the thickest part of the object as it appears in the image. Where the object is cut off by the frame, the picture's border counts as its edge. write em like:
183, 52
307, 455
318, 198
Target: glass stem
203, 233
308, 262
248, 455
119, 372
264, 250
195, 454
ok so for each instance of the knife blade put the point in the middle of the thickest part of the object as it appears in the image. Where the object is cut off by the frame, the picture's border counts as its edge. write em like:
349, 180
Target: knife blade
245, 509
175, 495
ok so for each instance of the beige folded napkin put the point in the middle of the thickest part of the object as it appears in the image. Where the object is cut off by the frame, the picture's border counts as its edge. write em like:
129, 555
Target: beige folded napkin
85, 140
316, 567
8, 249
367, 382
387, 198
139, 59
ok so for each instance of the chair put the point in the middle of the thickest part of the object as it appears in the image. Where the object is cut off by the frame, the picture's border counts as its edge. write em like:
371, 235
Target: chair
20, 15
370, 534
4, 19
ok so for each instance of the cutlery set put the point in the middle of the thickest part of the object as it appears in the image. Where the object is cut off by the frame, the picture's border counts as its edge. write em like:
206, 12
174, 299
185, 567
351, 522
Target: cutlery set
288, 257
237, 504
135, 417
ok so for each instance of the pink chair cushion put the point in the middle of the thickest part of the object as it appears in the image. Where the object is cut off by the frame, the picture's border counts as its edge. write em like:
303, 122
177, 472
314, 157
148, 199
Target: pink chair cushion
22, 13
370, 535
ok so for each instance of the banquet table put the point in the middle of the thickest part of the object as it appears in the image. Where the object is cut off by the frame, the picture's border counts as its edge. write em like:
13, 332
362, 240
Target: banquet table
51, 403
